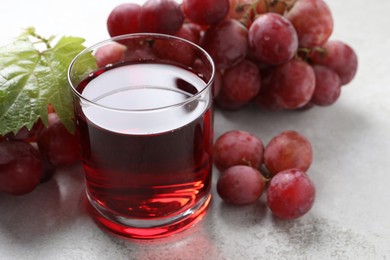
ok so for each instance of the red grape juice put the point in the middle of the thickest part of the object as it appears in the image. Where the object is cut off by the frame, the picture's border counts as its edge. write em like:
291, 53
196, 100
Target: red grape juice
148, 163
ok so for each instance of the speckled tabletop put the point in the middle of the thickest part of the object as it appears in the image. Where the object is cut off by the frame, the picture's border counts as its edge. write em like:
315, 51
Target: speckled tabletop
351, 141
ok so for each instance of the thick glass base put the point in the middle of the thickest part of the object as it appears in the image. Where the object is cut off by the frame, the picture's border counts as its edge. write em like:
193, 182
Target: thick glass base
149, 229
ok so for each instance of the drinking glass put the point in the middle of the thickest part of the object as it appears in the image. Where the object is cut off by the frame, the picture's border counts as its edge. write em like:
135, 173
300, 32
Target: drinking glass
144, 120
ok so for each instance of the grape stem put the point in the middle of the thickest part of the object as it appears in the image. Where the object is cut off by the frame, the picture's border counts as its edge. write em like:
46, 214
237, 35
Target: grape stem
305, 53
241, 7
250, 9
251, 12
289, 4
31, 32
267, 176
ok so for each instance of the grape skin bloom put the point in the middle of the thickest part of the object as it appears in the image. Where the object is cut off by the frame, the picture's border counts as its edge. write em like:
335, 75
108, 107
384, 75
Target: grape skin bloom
238, 147
240, 185
272, 39
286, 150
313, 21
290, 194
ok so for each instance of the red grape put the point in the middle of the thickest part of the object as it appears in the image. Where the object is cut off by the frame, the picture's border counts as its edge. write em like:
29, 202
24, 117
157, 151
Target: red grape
224, 102
227, 43
290, 194
339, 57
189, 32
206, 12
217, 85
174, 50
20, 167
328, 86
292, 84
272, 39
48, 169
308, 106
238, 147
197, 32
55, 142
313, 21
123, 19
138, 50
241, 83
240, 185
287, 150
161, 16
110, 53
266, 98
27, 135
203, 71
261, 7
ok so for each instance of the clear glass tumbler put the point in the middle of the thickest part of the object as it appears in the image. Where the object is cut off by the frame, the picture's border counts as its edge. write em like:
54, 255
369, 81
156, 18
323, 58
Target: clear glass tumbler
144, 119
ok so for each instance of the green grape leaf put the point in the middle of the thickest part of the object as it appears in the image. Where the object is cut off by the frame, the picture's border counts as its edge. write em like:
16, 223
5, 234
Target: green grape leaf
31, 79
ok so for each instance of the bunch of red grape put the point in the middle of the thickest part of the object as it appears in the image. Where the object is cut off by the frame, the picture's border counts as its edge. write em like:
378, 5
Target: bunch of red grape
246, 167
274, 53
31, 157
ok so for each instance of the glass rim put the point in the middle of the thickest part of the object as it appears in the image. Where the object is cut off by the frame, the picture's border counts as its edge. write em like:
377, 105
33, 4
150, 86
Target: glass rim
192, 98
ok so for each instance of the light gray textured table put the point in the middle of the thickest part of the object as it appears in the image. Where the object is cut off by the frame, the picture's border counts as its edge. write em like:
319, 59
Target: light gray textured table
351, 140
